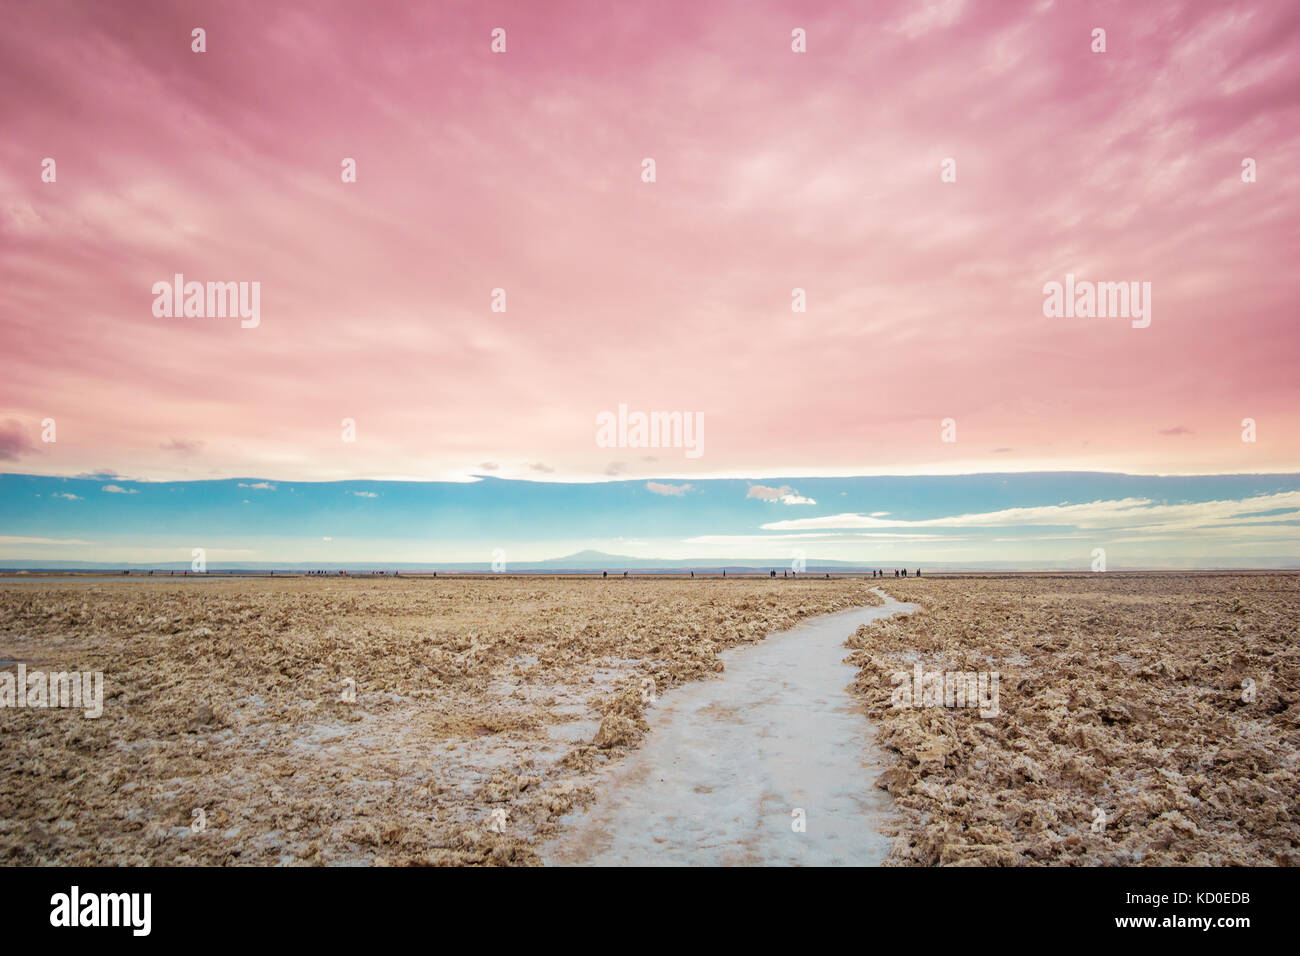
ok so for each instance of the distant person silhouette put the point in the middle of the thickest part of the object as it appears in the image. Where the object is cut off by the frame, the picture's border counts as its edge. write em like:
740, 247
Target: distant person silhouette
604, 574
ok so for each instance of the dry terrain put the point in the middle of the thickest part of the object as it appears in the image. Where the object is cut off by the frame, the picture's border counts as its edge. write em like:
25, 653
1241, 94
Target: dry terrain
1127, 732
228, 697
414, 721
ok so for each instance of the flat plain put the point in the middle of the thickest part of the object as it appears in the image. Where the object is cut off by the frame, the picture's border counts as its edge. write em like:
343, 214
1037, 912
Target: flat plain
1143, 718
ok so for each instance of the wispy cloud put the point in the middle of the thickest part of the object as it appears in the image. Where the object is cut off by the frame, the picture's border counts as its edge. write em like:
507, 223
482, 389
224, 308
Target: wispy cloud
1114, 514
14, 440
1185, 88
119, 490
13, 539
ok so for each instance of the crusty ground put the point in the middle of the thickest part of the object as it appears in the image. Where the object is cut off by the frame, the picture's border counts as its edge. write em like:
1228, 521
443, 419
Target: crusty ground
1118, 692
225, 696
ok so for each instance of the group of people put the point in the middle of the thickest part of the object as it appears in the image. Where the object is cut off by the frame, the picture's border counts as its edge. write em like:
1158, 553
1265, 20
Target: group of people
897, 573
396, 574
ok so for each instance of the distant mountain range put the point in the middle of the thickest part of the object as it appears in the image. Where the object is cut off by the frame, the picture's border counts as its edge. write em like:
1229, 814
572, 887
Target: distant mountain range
600, 561
582, 561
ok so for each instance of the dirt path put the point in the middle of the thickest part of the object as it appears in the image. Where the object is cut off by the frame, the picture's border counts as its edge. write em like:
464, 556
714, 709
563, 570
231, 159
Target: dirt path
727, 763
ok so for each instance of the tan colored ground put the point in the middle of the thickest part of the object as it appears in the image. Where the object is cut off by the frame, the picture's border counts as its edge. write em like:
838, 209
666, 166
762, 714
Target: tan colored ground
1117, 692
472, 695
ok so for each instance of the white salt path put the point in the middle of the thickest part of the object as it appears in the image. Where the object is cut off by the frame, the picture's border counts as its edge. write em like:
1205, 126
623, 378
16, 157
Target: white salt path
726, 762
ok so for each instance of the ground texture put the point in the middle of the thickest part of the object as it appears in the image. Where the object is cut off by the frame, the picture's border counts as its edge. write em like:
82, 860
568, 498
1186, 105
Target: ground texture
1126, 735
481, 709
421, 721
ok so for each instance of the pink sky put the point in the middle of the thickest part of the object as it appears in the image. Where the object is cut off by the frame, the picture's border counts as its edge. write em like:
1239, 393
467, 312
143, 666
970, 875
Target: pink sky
522, 171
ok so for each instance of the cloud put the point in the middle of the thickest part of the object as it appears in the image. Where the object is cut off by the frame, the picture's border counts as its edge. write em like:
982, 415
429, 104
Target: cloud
8, 539
119, 490
935, 15
1176, 430
785, 494
14, 441
615, 468
538, 466
365, 494
1131, 513
182, 445
70, 497
259, 485
1182, 74
676, 491
327, 539
489, 466
771, 196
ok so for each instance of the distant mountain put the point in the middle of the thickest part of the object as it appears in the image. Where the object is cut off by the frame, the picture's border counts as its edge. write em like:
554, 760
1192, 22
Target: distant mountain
600, 561
590, 560
581, 561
